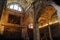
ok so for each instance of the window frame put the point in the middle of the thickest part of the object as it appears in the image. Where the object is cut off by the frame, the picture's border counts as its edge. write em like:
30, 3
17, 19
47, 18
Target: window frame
19, 6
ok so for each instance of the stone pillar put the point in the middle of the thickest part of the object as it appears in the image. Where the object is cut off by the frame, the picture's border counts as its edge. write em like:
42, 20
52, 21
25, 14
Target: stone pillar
24, 33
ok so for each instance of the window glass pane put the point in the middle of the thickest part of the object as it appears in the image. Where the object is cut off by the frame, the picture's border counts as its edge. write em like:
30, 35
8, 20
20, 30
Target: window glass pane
20, 9
16, 7
11, 6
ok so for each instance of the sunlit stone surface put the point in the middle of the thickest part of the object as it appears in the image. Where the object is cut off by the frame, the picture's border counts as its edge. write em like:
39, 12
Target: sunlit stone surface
57, 9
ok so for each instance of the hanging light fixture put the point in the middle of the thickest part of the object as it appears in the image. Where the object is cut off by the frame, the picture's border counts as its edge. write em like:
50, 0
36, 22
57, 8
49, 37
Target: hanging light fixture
31, 26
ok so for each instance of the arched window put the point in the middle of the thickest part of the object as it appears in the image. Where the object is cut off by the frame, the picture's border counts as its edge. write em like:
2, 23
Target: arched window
16, 7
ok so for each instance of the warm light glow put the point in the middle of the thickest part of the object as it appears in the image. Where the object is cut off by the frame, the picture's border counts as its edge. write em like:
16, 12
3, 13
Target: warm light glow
49, 24
30, 26
1, 29
58, 10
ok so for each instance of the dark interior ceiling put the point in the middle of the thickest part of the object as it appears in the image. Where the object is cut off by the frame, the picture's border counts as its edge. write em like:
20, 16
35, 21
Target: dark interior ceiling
57, 2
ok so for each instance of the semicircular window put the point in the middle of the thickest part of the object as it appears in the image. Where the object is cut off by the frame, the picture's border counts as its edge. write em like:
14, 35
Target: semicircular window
16, 7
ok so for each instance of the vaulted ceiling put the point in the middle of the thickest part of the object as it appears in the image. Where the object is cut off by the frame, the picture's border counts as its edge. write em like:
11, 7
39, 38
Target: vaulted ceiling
48, 16
47, 13
23, 3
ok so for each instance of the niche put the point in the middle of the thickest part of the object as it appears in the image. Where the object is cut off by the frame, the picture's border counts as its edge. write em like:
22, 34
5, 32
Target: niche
13, 19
